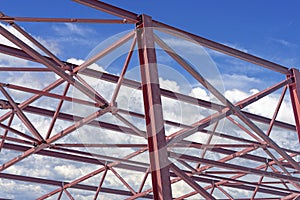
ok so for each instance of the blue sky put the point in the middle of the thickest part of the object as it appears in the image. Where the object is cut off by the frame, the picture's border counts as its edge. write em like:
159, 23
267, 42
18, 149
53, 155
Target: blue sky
266, 28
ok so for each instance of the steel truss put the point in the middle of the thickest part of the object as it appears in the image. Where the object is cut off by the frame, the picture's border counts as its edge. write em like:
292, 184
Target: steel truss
277, 173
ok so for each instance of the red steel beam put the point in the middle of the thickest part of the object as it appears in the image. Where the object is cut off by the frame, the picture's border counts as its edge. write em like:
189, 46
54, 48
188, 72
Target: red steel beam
191, 182
22, 116
48, 94
129, 16
4, 136
232, 183
57, 111
157, 147
226, 181
131, 167
24, 69
242, 169
33, 98
221, 48
62, 20
60, 183
68, 117
104, 52
173, 95
33, 53
82, 157
226, 102
56, 137
295, 98
133, 17
93, 173
12, 130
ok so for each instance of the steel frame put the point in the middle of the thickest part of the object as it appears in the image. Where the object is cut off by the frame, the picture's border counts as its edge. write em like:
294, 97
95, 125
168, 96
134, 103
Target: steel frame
202, 176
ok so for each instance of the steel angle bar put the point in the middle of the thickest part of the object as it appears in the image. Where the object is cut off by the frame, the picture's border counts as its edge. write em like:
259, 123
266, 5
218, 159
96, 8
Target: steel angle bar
3, 137
170, 94
234, 167
221, 48
133, 17
122, 74
61, 20
54, 138
232, 107
82, 157
33, 98
103, 53
22, 116
191, 182
91, 174
294, 89
60, 183
24, 69
54, 118
48, 94
33, 53
37, 44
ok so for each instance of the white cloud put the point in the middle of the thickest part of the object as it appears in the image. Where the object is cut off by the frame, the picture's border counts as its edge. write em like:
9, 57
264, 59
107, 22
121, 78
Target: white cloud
50, 44
200, 93
169, 85
69, 28
284, 42
238, 81
92, 66
235, 95
68, 171
265, 106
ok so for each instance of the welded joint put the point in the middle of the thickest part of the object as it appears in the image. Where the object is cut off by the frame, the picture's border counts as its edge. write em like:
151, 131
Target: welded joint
7, 19
113, 108
264, 146
292, 75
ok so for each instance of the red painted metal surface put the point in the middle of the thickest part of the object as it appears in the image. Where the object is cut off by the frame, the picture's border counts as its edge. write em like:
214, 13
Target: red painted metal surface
252, 164
157, 145
295, 97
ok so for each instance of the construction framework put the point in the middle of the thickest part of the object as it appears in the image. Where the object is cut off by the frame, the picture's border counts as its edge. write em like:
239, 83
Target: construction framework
273, 174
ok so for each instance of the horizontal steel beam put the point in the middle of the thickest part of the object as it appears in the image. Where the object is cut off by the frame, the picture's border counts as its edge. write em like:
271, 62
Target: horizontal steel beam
242, 169
134, 84
133, 17
85, 159
221, 48
119, 12
61, 20
60, 183
118, 128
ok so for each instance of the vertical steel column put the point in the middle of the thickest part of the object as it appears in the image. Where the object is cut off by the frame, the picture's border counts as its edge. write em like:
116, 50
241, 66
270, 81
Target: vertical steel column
295, 98
153, 111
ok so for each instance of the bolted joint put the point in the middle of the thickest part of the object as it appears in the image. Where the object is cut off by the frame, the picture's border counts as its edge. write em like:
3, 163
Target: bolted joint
139, 24
104, 106
5, 105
